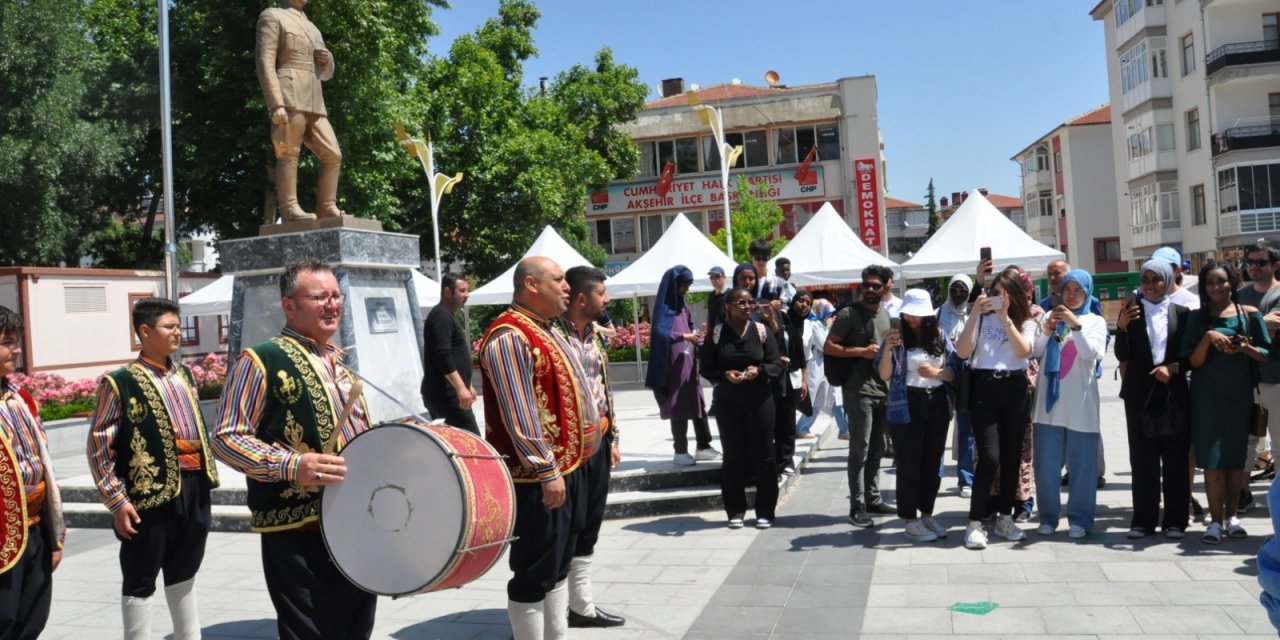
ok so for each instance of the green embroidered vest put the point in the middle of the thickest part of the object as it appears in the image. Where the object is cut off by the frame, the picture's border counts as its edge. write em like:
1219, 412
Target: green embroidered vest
297, 414
145, 444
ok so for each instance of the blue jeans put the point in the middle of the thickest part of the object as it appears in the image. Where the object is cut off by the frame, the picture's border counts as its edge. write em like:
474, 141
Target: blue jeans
805, 423
1054, 447
965, 443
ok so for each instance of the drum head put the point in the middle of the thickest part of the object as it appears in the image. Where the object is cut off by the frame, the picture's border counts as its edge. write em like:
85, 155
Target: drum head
395, 522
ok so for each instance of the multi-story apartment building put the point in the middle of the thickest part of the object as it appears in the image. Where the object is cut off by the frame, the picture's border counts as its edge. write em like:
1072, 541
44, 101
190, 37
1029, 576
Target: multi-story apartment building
906, 227
1069, 191
777, 127
1195, 88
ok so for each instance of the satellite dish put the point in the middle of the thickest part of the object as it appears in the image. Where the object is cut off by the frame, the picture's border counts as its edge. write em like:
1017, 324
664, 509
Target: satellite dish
772, 77
660, 90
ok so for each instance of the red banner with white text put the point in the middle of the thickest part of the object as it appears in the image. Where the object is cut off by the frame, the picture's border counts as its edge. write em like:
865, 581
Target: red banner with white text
866, 191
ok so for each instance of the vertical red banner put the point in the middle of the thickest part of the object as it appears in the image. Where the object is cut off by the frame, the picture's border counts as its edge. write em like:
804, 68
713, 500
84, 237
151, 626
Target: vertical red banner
866, 189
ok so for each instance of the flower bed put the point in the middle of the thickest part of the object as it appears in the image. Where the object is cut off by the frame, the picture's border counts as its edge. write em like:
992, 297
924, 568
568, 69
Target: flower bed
622, 346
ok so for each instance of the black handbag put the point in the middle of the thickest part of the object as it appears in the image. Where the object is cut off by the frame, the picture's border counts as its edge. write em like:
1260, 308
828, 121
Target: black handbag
1162, 417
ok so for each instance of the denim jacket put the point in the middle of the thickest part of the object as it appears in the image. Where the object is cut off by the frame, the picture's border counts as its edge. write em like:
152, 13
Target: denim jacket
896, 404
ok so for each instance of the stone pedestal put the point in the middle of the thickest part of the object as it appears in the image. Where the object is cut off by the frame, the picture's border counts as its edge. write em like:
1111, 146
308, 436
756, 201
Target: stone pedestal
381, 325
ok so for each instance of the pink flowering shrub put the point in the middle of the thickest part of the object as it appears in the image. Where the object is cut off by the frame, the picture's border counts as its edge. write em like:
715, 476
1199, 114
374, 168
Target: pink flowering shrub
622, 346
51, 388
210, 373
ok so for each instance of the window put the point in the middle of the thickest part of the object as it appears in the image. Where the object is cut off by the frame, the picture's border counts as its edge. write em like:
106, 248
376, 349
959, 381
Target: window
785, 151
648, 160
755, 147
828, 140
694, 216
1154, 204
650, 230
1188, 54
1273, 107
686, 155
602, 234
1164, 137
1106, 250
624, 235
1193, 130
792, 144
224, 327
1159, 68
1140, 144
1133, 67
1042, 205
1057, 162
710, 154
1270, 29
1197, 205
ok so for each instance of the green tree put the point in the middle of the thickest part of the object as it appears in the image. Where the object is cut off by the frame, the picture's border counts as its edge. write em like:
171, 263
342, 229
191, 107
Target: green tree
123, 244
931, 204
753, 217
56, 149
528, 157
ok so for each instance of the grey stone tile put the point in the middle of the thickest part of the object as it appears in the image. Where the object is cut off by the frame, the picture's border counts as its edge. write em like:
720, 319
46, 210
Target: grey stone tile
655, 621
1155, 571
728, 621
1089, 620
1175, 619
1225, 569
1206, 593
740, 595
985, 574
1003, 620
812, 622
926, 595
1251, 619
749, 574
1066, 572
923, 574
934, 622
817, 574
806, 596
1045, 594
694, 574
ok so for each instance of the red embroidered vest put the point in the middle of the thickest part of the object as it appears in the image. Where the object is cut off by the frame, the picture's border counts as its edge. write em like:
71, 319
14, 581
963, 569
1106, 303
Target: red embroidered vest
558, 395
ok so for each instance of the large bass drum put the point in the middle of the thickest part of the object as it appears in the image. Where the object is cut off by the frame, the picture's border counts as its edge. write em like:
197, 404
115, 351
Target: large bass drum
422, 508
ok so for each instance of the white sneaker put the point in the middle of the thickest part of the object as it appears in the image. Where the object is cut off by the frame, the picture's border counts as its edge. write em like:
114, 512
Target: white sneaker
708, 455
966, 492
1077, 531
918, 532
975, 537
1005, 528
683, 460
1045, 529
932, 525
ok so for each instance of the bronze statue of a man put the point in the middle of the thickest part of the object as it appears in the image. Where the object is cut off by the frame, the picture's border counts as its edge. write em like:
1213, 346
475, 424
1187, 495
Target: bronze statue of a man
292, 61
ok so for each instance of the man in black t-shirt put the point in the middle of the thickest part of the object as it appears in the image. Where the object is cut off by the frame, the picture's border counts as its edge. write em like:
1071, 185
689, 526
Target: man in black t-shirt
446, 360
857, 333
1262, 260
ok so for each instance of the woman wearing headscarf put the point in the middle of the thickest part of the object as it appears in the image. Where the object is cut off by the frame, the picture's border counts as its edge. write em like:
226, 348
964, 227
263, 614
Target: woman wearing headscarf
673, 368
824, 396
793, 387
1148, 338
1071, 342
951, 319
1222, 338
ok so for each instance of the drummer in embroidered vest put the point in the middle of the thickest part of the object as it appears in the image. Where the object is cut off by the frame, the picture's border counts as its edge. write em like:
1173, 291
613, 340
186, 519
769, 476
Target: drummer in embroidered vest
587, 301
149, 455
31, 531
278, 422
539, 414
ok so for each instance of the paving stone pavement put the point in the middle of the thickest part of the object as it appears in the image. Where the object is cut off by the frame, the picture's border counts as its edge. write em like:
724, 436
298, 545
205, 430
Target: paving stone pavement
811, 576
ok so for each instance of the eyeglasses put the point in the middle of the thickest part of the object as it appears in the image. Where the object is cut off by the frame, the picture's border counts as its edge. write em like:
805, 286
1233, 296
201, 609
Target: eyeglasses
1258, 263
874, 286
10, 344
323, 299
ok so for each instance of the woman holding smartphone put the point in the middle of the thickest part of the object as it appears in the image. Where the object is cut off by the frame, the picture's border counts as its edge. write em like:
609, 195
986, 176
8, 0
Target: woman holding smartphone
741, 357
920, 364
1222, 337
1067, 425
997, 340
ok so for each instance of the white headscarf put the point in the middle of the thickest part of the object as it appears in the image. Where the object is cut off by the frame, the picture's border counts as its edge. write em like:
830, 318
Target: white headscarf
951, 314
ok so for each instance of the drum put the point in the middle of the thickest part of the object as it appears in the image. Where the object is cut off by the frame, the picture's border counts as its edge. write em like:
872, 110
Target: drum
422, 508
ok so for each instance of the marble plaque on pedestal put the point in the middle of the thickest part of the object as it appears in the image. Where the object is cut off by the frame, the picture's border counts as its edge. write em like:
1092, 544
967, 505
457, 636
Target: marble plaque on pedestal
381, 327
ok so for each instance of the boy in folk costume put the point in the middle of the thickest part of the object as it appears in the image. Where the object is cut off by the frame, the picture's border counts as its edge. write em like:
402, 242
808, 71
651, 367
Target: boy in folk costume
150, 459
31, 530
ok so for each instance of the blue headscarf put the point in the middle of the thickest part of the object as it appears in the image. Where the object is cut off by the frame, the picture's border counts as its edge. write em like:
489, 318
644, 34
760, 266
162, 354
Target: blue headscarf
1053, 353
821, 310
670, 303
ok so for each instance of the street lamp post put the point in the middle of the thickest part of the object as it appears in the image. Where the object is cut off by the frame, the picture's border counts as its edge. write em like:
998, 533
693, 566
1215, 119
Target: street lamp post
712, 117
440, 184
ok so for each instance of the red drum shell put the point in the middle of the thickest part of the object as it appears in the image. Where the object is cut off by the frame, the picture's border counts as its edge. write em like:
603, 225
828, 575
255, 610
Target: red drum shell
422, 508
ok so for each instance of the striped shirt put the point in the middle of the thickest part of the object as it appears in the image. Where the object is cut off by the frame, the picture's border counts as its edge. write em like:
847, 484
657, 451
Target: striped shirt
236, 441
586, 349
508, 362
180, 402
21, 429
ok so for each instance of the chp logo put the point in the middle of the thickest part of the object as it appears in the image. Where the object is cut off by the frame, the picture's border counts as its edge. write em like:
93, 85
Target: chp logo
806, 177
599, 198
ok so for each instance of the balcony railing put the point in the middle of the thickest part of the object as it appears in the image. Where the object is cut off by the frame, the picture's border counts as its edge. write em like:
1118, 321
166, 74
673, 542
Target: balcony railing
1251, 137
1241, 53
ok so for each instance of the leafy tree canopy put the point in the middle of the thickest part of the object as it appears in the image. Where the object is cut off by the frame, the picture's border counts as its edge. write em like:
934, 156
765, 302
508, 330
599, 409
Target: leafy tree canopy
752, 217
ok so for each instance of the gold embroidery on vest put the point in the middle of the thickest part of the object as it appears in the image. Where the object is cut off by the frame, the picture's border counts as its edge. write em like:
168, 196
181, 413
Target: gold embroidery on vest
313, 385
288, 391
15, 507
168, 447
142, 467
293, 435
136, 412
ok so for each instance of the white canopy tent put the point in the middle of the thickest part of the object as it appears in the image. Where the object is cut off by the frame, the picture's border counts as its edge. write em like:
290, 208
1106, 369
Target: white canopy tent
215, 299
977, 223
549, 244
827, 251
681, 243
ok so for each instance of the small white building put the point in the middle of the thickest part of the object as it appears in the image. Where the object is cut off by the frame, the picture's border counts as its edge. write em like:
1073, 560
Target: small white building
77, 322
1069, 193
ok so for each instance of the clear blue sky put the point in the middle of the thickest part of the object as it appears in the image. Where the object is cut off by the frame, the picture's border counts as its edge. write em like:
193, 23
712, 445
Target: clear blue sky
963, 85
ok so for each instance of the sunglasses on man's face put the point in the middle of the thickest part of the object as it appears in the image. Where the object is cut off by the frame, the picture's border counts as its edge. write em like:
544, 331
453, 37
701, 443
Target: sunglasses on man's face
1257, 263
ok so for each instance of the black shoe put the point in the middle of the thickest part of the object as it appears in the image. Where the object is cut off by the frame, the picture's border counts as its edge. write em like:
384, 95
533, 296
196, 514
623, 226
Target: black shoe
859, 518
1197, 509
601, 619
888, 453
883, 509
1102, 482
1021, 515
1246, 501
1066, 479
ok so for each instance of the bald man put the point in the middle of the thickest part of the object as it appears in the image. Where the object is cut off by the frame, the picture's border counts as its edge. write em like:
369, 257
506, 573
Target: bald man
539, 415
